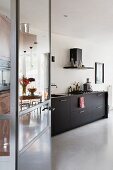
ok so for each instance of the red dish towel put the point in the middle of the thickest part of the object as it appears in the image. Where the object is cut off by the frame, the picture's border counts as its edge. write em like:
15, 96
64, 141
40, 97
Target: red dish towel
81, 102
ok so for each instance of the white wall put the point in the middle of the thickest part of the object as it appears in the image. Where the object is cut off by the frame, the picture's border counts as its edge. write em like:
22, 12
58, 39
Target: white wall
92, 52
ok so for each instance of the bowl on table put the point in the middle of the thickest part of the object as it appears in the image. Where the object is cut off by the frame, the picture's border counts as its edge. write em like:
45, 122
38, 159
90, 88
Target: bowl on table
32, 91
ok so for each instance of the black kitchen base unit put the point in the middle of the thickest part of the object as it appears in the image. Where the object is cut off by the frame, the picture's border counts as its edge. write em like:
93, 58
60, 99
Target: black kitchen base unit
68, 114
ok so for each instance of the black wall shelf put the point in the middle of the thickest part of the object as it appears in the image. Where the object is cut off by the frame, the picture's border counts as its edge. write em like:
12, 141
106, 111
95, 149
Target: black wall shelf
81, 68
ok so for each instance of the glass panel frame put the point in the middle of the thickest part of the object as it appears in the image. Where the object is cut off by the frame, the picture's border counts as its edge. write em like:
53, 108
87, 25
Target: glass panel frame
11, 162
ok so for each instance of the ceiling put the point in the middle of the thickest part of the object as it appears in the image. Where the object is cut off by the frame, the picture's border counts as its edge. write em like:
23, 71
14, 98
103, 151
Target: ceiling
5, 7
35, 12
85, 18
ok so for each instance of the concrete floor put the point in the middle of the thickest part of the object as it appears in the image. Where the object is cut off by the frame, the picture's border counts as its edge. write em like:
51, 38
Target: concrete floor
38, 155
86, 148
31, 125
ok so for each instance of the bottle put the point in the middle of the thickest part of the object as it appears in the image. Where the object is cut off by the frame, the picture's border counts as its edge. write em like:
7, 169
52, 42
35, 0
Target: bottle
74, 87
72, 62
76, 64
69, 89
87, 86
80, 64
77, 87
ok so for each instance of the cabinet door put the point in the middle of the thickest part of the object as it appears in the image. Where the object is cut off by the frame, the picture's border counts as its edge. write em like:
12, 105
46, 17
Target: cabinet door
97, 113
60, 116
94, 109
74, 102
95, 105
95, 100
79, 117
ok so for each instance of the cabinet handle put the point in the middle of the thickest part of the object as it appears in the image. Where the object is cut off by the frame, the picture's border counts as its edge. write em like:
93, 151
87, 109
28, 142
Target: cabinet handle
99, 94
82, 111
63, 100
99, 107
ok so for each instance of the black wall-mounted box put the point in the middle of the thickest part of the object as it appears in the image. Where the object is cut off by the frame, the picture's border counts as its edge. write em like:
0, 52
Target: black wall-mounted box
76, 54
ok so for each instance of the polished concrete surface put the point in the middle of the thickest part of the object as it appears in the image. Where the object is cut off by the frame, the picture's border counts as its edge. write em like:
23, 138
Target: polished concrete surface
31, 125
34, 141
38, 155
86, 148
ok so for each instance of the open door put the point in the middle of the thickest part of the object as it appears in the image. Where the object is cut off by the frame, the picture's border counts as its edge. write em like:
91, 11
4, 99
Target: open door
34, 86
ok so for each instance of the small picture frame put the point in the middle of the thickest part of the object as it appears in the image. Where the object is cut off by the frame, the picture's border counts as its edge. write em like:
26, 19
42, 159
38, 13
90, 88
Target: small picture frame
99, 73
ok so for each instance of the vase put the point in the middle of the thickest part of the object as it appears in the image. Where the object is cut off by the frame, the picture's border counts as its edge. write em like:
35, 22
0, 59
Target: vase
23, 90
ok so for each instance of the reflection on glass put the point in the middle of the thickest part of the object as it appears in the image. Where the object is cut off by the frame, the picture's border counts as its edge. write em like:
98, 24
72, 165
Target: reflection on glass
4, 102
5, 35
33, 69
31, 125
34, 53
5, 30
4, 137
37, 71
4, 75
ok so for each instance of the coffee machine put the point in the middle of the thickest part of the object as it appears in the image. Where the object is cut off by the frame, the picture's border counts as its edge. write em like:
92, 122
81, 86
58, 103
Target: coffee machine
87, 86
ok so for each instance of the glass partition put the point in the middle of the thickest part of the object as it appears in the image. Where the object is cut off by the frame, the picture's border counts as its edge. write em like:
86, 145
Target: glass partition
34, 70
8, 84
5, 59
33, 53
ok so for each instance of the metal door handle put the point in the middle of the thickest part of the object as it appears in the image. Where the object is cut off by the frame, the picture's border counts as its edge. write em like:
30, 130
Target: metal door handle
82, 111
63, 100
99, 107
51, 108
99, 94
48, 108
